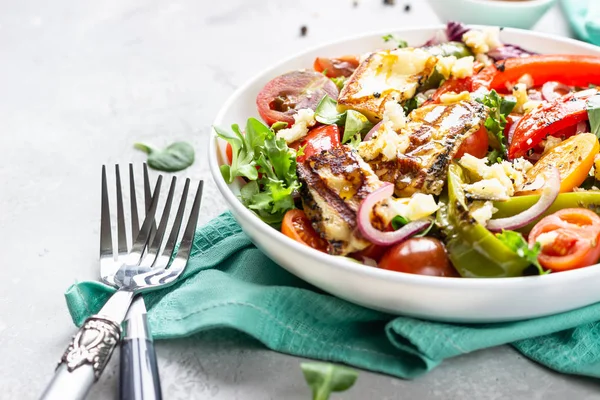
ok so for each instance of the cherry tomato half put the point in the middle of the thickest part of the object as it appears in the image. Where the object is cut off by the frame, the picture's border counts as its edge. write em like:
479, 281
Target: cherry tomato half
422, 256
297, 226
476, 144
336, 67
324, 137
574, 241
283, 96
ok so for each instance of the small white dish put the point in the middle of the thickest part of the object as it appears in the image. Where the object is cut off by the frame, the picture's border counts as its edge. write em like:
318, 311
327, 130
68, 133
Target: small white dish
506, 13
428, 297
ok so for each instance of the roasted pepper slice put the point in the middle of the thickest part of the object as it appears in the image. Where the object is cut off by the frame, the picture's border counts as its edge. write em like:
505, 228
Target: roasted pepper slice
474, 251
517, 204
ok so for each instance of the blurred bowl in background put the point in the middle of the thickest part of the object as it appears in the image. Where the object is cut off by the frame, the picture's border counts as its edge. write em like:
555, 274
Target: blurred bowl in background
514, 13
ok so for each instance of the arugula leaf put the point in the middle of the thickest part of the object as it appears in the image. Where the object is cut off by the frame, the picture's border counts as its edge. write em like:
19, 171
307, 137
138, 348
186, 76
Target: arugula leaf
325, 378
410, 105
268, 164
354, 123
494, 156
173, 158
593, 111
517, 243
495, 123
390, 37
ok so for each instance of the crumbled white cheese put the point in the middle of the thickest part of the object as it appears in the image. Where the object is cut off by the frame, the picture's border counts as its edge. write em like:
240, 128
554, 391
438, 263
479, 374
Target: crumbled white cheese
484, 59
487, 189
482, 211
394, 114
527, 80
463, 67
416, 207
304, 119
444, 65
453, 97
482, 41
546, 238
385, 142
508, 175
550, 142
520, 93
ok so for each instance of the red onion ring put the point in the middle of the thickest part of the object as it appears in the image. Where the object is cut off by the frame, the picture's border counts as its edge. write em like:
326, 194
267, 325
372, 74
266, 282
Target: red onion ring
549, 90
581, 127
549, 194
372, 131
511, 131
376, 236
585, 93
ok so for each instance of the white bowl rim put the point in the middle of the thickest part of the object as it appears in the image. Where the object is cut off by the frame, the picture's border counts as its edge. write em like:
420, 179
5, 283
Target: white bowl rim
511, 4
524, 282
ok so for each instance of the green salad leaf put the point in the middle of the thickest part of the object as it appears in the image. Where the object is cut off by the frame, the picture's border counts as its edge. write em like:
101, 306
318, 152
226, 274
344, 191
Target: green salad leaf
517, 243
325, 378
355, 124
173, 158
390, 37
269, 166
339, 81
495, 123
593, 111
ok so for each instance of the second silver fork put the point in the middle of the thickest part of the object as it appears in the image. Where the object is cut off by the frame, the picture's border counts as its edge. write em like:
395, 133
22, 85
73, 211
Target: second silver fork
143, 268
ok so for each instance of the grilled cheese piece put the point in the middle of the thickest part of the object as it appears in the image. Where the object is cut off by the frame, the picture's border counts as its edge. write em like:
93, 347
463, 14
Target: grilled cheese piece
390, 75
334, 183
435, 133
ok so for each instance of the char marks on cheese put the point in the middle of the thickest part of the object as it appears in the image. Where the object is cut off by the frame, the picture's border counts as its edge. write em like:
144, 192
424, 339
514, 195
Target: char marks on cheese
436, 132
334, 183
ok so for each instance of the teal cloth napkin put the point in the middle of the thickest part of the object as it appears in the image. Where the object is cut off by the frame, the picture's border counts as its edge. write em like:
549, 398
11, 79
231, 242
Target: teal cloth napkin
584, 18
229, 283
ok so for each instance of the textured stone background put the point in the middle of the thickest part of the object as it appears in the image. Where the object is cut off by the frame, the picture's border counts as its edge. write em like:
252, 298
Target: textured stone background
80, 81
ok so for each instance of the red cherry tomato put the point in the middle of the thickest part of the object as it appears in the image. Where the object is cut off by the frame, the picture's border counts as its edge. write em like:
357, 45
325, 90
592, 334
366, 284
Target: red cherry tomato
336, 67
451, 85
283, 96
324, 137
476, 144
297, 226
422, 256
575, 243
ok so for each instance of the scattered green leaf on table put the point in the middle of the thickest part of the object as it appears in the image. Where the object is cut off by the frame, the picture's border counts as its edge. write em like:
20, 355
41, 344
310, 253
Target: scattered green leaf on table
173, 158
325, 378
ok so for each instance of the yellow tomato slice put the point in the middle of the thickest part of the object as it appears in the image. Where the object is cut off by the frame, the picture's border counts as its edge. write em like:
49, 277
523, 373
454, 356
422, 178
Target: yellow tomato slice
573, 157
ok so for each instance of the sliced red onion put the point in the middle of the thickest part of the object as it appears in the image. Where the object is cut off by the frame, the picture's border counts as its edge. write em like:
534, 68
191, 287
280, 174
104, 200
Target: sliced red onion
509, 51
549, 90
511, 131
369, 262
373, 234
549, 194
581, 127
372, 131
455, 31
585, 93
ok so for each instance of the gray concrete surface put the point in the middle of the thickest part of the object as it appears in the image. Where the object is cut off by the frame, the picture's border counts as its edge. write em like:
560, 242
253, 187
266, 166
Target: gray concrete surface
80, 81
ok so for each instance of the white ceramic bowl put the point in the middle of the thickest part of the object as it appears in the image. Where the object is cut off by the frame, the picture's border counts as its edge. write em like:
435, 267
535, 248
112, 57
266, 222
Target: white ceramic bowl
516, 14
446, 299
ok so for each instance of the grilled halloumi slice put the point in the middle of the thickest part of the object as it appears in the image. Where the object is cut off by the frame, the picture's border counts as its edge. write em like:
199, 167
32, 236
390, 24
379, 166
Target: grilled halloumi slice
383, 76
435, 133
333, 185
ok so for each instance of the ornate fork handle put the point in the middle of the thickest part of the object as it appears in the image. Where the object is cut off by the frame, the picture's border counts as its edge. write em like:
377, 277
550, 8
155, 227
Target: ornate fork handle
84, 360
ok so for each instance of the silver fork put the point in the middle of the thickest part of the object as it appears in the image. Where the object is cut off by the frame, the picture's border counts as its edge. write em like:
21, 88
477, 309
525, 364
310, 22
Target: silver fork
144, 268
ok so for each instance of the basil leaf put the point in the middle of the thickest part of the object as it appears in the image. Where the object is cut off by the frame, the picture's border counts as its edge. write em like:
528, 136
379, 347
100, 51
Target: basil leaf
327, 113
593, 111
173, 158
352, 121
355, 123
517, 243
327, 378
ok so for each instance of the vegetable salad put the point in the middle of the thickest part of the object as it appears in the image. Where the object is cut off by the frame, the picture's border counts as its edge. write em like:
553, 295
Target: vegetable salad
461, 157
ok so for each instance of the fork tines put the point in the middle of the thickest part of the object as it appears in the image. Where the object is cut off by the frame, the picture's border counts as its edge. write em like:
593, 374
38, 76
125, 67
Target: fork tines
149, 249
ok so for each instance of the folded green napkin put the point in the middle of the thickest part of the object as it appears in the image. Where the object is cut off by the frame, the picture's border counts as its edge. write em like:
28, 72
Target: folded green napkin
229, 283
584, 18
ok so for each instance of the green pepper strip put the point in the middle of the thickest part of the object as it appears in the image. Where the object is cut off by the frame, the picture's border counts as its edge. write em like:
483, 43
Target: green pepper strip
456, 49
474, 251
515, 205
